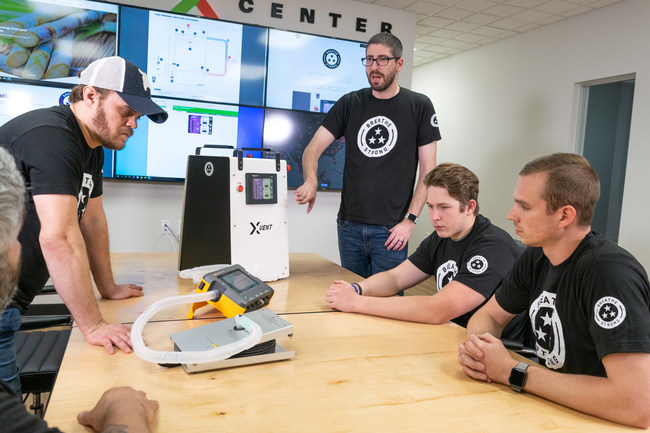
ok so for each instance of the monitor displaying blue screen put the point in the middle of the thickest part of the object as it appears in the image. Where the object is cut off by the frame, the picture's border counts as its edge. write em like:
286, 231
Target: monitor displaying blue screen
17, 98
288, 132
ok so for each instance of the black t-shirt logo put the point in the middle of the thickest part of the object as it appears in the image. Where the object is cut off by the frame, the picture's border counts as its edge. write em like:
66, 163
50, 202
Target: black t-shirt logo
377, 137
609, 312
87, 185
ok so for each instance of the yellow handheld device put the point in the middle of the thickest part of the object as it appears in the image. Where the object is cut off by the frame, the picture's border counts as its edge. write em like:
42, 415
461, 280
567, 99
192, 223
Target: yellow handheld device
238, 291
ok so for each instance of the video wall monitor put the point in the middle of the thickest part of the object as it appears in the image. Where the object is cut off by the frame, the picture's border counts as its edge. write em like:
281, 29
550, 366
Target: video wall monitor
17, 98
50, 40
196, 58
159, 151
310, 73
289, 132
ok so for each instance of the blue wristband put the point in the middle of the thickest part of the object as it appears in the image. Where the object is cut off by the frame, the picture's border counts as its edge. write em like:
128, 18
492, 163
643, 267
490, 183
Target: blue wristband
357, 288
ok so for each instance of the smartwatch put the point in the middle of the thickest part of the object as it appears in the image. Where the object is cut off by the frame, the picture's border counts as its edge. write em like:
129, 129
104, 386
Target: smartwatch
518, 376
411, 217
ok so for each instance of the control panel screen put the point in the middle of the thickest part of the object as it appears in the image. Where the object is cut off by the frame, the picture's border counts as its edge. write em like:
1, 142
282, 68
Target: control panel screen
261, 188
238, 281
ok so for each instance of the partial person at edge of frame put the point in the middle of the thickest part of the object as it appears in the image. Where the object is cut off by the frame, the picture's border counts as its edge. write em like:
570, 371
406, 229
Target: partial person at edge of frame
388, 131
123, 407
468, 255
588, 300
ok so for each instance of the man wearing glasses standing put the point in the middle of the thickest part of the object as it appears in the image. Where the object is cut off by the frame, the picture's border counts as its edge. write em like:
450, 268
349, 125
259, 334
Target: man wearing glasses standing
387, 130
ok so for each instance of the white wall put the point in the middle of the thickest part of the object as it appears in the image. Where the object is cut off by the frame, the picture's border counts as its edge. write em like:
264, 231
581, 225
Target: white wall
503, 104
135, 210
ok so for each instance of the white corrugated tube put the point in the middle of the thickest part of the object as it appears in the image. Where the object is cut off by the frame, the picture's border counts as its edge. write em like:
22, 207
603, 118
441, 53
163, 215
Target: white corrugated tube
191, 357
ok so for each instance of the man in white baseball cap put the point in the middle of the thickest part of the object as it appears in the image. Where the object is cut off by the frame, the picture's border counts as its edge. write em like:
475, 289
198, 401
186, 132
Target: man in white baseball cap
128, 81
58, 151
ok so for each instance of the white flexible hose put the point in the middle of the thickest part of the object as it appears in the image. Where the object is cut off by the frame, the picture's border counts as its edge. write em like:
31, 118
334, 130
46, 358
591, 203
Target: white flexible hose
191, 357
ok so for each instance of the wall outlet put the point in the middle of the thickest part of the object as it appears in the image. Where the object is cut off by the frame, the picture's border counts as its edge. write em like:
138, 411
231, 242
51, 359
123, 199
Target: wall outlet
164, 224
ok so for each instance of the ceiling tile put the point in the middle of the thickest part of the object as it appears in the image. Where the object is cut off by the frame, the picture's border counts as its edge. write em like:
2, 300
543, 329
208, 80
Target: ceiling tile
428, 39
474, 5
435, 21
395, 4
423, 7
556, 7
488, 31
503, 10
462, 26
444, 33
577, 11
508, 24
454, 13
482, 19
470, 37
527, 4
530, 16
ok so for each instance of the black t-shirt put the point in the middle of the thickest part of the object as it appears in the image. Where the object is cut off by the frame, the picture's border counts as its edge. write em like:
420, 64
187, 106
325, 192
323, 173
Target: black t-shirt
595, 303
480, 260
382, 137
53, 158
15, 418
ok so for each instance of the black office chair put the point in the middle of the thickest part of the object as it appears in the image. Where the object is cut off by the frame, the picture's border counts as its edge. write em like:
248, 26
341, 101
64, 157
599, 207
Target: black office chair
39, 353
525, 342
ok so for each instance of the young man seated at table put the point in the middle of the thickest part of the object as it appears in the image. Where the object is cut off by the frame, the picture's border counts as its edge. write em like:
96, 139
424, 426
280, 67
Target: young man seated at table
467, 254
588, 301
119, 409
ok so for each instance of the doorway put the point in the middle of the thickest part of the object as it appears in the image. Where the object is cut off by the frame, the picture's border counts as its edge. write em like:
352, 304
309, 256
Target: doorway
606, 113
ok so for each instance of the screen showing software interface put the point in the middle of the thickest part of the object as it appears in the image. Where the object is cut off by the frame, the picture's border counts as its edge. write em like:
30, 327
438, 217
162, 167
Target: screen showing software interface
310, 73
161, 150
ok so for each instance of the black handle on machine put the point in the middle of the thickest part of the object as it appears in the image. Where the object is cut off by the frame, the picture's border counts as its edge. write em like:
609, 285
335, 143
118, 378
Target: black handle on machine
212, 146
240, 156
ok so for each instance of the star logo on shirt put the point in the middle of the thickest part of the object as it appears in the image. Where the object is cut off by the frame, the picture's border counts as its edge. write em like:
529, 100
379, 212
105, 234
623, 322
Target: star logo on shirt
477, 265
377, 136
609, 312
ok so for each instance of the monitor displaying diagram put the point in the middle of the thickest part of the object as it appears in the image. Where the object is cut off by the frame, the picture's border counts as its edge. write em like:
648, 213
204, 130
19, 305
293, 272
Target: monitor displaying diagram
197, 58
309, 72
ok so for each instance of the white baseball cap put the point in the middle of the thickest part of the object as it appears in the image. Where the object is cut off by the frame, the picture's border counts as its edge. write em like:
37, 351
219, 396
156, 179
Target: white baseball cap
128, 81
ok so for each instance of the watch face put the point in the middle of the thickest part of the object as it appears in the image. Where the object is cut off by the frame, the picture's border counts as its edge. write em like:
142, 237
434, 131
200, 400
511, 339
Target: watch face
517, 377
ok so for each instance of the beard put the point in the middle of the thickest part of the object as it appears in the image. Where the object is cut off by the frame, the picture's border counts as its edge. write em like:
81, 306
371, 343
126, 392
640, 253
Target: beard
108, 139
8, 278
385, 83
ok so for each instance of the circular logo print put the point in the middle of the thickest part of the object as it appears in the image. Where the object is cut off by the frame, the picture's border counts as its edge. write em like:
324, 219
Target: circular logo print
208, 168
445, 273
434, 120
64, 99
609, 312
377, 137
331, 58
477, 265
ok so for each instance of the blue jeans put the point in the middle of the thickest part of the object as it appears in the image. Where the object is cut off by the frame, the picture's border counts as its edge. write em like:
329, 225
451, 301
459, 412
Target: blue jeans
362, 249
9, 325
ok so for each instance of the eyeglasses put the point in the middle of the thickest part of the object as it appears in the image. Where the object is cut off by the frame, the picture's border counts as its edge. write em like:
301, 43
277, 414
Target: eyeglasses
381, 60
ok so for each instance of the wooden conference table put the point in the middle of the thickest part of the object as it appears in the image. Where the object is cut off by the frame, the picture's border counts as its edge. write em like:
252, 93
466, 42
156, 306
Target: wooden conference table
351, 373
